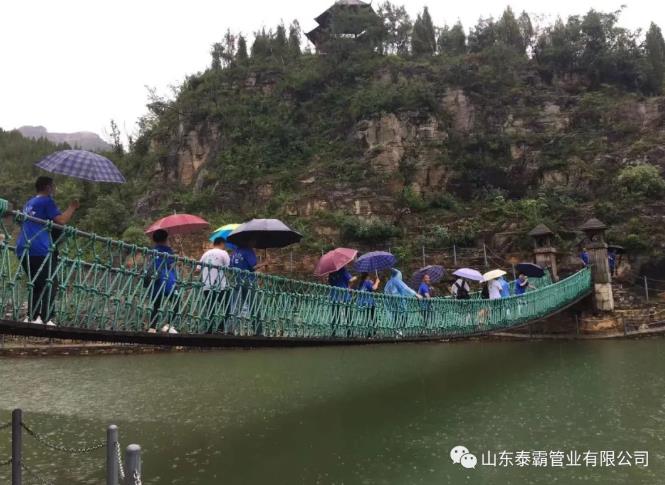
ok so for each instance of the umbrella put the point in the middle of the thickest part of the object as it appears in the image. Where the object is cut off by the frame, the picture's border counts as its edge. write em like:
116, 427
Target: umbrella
435, 273
223, 231
374, 261
617, 248
264, 234
334, 260
531, 270
178, 224
82, 164
469, 274
494, 274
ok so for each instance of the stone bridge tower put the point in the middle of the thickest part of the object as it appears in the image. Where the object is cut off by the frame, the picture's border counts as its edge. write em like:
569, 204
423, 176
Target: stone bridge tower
600, 269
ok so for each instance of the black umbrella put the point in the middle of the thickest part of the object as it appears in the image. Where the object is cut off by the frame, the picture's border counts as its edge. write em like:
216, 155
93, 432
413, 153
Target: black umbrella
530, 269
264, 234
618, 249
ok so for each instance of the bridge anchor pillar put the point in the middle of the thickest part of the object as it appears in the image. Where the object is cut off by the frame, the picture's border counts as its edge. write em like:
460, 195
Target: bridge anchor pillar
544, 252
603, 299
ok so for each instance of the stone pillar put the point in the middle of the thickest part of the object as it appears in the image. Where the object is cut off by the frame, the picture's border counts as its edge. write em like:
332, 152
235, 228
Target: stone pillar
544, 252
596, 246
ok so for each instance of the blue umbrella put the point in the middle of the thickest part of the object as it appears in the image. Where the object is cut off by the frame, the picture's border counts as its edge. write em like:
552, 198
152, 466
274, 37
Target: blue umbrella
435, 273
374, 261
82, 164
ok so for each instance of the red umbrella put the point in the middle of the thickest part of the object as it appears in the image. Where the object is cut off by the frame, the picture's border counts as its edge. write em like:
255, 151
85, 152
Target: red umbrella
334, 260
178, 224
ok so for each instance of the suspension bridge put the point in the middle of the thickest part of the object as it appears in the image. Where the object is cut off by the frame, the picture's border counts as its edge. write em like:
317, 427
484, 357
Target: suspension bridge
101, 289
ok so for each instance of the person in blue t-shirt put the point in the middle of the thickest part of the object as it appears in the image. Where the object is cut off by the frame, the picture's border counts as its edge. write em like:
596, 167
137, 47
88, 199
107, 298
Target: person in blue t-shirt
425, 291
584, 256
33, 248
365, 288
340, 281
244, 258
522, 284
166, 277
612, 261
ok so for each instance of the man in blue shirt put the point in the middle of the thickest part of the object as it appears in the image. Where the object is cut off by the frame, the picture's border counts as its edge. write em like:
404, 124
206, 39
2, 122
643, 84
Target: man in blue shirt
33, 248
425, 291
340, 282
244, 258
584, 256
166, 277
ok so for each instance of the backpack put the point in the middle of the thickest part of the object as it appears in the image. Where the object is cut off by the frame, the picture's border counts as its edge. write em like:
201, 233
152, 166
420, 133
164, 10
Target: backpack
462, 292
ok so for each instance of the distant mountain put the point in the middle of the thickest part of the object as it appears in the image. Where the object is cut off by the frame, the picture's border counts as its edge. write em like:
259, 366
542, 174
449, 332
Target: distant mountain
81, 139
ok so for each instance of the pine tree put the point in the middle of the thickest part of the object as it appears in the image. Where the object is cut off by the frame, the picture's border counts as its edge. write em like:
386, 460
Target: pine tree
294, 39
423, 40
526, 31
508, 31
452, 40
241, 54
216, 53
654, 46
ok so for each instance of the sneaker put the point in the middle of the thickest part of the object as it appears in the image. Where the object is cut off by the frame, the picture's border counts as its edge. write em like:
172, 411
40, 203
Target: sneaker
26, 320
172, 330
165, 328
152, 330
51, 323
38, 321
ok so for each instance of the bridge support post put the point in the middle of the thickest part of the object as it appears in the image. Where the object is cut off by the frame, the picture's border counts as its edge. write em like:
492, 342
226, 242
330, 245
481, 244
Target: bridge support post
603, 299
544, 252
17, 443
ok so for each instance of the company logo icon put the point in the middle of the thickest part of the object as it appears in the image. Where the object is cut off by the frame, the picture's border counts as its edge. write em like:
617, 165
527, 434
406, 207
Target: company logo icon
460, 454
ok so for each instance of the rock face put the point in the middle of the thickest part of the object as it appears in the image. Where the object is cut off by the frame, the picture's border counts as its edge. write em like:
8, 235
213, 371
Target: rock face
80, 139
405, 142
195, 150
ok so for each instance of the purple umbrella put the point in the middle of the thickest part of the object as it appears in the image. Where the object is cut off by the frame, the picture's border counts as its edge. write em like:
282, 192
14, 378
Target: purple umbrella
82, 164
469, 274
435, 273
374, 261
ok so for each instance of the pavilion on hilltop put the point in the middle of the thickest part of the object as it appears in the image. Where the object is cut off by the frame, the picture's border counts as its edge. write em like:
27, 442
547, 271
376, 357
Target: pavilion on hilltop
348, 19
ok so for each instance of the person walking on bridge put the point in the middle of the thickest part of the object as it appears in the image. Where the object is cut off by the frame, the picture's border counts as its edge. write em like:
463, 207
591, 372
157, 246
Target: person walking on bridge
366, 302
165, 280
33, 249
214, 282
244, 258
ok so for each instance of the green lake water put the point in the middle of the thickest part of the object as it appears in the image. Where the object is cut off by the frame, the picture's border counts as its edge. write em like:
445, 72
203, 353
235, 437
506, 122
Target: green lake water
383, 414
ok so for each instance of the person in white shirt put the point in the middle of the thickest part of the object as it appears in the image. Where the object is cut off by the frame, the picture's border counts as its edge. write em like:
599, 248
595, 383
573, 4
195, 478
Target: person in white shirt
494, 287
214, 283
460, 289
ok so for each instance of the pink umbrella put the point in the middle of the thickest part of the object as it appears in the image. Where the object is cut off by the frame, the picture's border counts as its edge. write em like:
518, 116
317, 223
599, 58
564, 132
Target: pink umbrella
334, 260
178, 224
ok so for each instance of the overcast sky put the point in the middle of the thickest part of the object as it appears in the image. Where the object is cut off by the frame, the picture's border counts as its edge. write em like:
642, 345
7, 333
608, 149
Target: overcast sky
72, 65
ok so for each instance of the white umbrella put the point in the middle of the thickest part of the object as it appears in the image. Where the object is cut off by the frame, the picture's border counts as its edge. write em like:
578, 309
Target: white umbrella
494, 274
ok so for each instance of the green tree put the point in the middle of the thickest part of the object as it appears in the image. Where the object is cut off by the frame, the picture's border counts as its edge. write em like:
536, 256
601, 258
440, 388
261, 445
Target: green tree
452, 40
423, 39
654, 47
483, 35
508, 31
642, 180
526, 31
294, 39
118, 149
397, 27
241, 54
216, 53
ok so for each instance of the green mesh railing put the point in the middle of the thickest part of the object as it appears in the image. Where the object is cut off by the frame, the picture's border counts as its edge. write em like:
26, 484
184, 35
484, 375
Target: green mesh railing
99, 283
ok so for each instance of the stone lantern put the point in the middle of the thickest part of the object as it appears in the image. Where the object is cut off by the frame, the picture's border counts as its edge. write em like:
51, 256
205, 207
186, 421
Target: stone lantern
600, 268
544, 252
